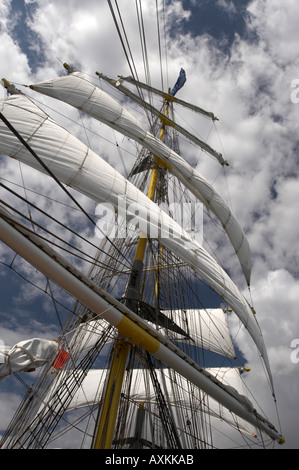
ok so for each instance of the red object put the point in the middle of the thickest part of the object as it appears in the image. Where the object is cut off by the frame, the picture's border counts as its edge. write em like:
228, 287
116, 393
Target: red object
61, 359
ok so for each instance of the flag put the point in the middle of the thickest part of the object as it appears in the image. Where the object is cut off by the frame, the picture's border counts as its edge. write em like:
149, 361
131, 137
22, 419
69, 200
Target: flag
179, 83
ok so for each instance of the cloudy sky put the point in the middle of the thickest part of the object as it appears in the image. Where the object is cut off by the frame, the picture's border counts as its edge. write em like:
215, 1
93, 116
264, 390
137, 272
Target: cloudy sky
241, 60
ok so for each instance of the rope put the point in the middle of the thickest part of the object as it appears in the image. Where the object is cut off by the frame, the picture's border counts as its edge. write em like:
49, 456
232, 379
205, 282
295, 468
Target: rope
40, 161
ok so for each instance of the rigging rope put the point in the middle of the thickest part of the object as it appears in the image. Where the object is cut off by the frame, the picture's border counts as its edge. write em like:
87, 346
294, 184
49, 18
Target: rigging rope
159, 45
143, 41
54, 219
34, 285
40, 161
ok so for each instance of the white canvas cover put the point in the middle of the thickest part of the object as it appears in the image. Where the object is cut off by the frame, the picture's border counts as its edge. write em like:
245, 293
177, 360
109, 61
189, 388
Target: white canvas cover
75, 90
26, 355
79, 167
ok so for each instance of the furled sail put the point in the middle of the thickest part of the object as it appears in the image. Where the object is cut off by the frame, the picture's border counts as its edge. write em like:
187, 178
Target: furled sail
77, 166
26, 356
167, 120
75, 90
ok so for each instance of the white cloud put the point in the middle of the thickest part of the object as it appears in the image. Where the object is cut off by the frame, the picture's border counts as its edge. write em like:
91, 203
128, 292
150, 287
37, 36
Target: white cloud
276, 23
14, 63
4, 14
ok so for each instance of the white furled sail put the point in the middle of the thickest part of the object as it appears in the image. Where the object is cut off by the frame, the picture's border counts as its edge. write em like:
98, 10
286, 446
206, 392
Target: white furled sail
26, 356
75, 90
167, 120
77, 166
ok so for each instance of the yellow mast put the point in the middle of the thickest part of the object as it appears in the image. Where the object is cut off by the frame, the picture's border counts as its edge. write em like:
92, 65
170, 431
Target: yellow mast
106, 420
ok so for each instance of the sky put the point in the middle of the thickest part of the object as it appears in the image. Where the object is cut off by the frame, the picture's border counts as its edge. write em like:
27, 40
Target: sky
241, 60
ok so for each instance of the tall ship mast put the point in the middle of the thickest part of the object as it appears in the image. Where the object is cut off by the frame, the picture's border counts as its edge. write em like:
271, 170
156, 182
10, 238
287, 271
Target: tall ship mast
145, 358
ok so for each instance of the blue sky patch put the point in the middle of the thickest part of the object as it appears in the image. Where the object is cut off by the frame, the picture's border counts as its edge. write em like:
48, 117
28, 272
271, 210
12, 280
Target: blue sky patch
23, 35
220, 23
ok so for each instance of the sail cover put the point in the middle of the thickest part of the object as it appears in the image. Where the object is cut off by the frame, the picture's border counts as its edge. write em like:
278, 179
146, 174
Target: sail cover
75, 90
26, 356
74, 164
